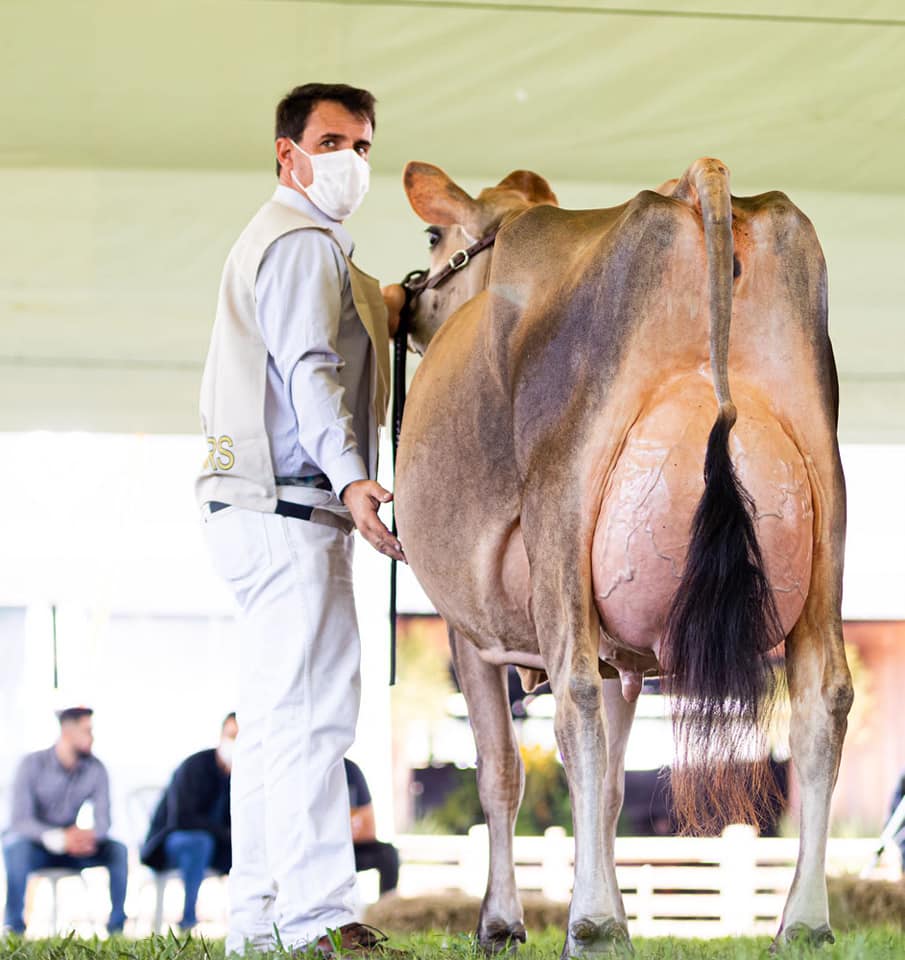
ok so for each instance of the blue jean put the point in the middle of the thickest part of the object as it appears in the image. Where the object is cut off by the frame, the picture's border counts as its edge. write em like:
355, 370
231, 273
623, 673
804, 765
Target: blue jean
24, 856
191, 853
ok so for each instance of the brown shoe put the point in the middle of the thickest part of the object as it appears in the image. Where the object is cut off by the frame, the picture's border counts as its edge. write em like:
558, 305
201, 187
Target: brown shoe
356, 939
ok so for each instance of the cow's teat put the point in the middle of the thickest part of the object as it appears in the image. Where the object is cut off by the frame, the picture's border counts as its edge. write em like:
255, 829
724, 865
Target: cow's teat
631, 685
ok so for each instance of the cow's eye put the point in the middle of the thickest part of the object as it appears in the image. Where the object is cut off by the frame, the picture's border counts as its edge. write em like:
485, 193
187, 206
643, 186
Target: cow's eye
433, 234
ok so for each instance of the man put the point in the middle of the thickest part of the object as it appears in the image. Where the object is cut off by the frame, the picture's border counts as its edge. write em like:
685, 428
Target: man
50, 789
294, 389
370, 853
189, 830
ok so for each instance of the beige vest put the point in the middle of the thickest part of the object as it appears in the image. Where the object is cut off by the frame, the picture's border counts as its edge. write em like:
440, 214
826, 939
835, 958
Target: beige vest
238, 469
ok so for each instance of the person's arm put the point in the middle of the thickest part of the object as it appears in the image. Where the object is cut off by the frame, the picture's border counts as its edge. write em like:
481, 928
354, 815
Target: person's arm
101, 801
188, 802
299, 308
394, 298
364, 827
24, 819
224, 826
25, 822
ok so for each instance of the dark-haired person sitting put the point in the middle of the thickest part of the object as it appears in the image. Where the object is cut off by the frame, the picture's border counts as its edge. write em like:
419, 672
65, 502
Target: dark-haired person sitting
190, 829
370, 853
50, 789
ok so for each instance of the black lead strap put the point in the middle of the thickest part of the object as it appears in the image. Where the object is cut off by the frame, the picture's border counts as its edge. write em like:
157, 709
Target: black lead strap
414, 285
400, 348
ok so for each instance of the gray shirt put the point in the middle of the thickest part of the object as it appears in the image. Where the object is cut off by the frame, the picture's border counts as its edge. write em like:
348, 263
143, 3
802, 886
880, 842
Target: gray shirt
47, 797
318, 385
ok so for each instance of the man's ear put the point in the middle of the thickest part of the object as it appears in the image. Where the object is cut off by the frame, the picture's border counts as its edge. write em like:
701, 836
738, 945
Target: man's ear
533, 187
437, 199
283, 149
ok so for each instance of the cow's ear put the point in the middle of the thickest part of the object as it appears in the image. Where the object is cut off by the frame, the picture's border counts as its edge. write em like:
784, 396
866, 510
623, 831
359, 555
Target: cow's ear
667, 188
436, 198
531, 186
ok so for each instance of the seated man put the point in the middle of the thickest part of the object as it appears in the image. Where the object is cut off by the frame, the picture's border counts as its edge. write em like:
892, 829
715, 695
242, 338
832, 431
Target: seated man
50, 789
189, 830
370, 853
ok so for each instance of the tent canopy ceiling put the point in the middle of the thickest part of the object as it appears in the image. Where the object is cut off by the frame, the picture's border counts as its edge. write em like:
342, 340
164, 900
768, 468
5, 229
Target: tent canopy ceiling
805, 93
135, 140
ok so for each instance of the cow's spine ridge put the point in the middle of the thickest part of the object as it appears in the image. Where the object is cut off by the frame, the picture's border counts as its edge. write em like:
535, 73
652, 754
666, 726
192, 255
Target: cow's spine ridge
723, 621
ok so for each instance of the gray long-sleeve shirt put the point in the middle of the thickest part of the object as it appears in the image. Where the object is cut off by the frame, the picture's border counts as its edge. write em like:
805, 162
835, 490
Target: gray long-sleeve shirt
318, 388
47, 797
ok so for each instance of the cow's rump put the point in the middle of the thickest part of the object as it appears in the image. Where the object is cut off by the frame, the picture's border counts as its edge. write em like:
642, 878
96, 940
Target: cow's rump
652, 492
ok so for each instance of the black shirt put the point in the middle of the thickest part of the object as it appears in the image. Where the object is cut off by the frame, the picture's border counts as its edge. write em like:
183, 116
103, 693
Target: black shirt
197, 798
359, 795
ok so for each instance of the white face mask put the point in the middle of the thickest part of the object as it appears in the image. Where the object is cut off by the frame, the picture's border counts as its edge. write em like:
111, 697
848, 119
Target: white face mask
225, 751
341, 180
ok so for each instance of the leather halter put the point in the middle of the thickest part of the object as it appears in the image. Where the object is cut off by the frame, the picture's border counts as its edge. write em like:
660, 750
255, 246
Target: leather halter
414, 284
417, 281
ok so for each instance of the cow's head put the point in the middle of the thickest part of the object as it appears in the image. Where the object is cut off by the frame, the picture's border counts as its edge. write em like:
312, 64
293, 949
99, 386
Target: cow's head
456, 221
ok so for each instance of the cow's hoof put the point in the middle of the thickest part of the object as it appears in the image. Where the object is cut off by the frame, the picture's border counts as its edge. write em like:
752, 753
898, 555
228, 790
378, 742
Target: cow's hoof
497, 936
801, 933
587, 938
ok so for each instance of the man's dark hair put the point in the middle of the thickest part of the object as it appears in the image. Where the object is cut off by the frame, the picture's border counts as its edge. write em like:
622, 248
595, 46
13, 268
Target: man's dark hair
227, 718
72, 714
295, 108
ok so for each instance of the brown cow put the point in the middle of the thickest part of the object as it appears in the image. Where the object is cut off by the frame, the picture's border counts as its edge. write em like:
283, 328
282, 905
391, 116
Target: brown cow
580, 495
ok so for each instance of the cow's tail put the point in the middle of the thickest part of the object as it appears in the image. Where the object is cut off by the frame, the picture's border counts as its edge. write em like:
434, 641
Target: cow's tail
723, 620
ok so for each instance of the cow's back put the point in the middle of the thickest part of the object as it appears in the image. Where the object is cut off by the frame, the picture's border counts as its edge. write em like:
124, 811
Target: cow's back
662, 406
572, 381
613, 398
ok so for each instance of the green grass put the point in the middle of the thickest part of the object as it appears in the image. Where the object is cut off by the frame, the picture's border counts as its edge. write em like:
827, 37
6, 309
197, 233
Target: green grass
883, 943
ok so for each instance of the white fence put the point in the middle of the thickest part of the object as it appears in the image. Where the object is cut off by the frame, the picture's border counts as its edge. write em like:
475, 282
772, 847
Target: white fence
676, 886
693, 887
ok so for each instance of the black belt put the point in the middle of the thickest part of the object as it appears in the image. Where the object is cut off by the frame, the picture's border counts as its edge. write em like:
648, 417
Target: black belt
284, 508
298, 511
319, 481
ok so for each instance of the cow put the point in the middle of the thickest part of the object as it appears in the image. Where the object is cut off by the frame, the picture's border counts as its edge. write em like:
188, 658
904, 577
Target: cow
582, 495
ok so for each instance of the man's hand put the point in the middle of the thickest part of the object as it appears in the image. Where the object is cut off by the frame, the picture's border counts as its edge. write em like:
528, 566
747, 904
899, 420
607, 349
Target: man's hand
80, 843
363, 498
394, 298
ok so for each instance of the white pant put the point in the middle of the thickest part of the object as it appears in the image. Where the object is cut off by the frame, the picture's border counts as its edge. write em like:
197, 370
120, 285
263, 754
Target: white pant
299, 689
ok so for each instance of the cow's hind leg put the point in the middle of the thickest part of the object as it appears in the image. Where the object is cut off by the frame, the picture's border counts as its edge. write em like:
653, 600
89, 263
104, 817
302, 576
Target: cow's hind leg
820, 688
619, 716
597, 925
501, 780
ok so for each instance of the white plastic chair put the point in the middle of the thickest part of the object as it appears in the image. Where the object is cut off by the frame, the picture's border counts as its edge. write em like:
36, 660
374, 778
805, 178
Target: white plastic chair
54, 875
161, 879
